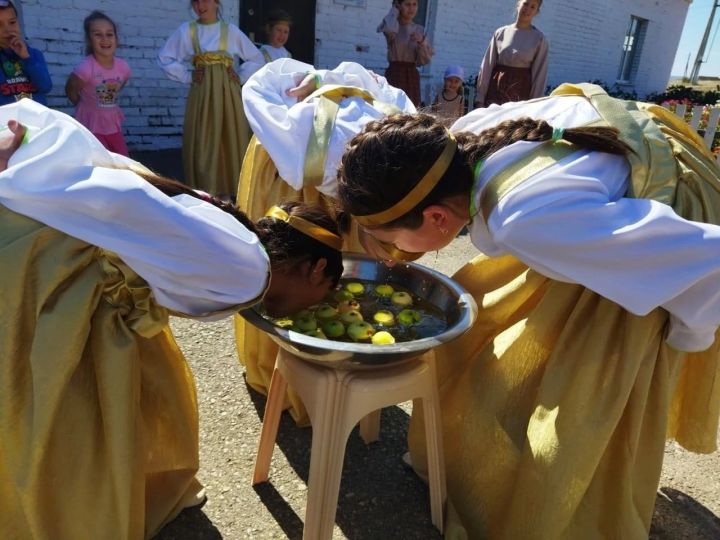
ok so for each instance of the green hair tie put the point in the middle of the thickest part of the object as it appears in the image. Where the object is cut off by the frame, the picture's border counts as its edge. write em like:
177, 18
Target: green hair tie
557, 134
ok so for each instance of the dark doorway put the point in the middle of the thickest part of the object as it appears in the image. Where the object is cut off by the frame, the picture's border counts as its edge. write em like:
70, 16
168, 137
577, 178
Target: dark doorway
301, 44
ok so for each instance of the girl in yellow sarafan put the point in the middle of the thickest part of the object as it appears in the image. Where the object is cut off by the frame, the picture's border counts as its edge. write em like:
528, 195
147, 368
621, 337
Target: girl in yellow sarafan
599, 295
302, 118
202, 54
98, 412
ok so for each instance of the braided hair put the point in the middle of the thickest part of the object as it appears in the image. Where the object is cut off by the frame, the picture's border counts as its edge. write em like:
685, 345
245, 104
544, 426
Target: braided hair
389, 157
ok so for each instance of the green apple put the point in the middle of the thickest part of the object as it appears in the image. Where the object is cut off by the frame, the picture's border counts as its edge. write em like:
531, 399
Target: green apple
357, 289
325, 312
317, 333
343, 295
350, 317
348, 305
304, 314
384, 317
305, 324
409, 316
401, 299
384, 291
333, 329
383, 338
360, 331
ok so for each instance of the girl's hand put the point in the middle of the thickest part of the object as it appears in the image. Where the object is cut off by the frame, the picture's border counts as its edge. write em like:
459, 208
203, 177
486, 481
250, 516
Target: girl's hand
306, 87
10, 143
19, 47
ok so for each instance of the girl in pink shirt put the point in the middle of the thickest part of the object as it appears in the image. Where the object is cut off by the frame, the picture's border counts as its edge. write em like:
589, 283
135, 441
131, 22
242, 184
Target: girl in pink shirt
94, 85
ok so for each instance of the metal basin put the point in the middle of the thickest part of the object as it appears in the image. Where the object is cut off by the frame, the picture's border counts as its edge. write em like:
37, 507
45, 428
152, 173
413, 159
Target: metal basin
458, 306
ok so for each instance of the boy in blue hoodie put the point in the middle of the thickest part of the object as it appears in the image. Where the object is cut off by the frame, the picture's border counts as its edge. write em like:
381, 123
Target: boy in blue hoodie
23, 71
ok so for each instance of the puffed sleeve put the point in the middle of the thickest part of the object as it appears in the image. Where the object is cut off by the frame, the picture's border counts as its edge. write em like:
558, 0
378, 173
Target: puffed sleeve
175, 55
390, 23
241, 46
486, 67
283, 126
572, 223
539, 69
197, 259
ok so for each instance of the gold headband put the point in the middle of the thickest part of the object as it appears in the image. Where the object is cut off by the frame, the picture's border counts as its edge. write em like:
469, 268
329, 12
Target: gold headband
418, 193
306, 227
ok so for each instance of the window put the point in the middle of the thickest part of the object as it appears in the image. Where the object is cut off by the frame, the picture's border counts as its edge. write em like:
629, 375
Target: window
632, 46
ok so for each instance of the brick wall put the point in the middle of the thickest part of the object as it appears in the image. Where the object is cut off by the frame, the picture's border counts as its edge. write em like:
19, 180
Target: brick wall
585, 44
153, 105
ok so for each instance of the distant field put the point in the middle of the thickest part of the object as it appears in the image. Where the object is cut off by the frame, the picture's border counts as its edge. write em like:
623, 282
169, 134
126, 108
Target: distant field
703, 84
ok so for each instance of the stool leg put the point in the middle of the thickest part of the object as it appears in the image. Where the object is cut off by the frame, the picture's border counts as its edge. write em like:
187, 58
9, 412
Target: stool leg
271, 421
370, 427
435, 453
322, 459
344, 424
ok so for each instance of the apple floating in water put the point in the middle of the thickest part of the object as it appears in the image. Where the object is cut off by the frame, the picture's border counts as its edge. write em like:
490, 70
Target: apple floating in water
384, 291
355, 288
304, 314
342, 295
305, 324
401, 299
408, 317
325, 312
350, 317
317, 333
333, 329
348, 305
382, 337
360, 331
384, 317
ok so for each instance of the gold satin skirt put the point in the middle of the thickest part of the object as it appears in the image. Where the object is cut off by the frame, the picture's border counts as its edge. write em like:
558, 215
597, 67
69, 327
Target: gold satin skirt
215, 132
260, 188
98, 412
557, 404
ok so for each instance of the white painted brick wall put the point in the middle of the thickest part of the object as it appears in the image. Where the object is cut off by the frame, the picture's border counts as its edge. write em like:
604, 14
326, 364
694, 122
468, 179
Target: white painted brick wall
585, 37
153, 105
585, 44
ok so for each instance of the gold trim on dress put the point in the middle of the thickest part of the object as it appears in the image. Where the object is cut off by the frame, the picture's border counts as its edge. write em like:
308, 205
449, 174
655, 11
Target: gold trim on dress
306, 227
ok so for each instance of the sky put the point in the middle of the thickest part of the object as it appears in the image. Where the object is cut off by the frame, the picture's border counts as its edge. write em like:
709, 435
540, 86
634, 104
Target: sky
697, 18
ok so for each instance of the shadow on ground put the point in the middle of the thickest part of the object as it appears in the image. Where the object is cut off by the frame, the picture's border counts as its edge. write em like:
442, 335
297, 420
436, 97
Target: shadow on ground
382, 498
678, 517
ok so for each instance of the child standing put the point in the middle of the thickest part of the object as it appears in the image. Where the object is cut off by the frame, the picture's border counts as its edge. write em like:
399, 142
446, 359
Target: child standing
24, 72
408, 47
216, 133
277, 29
449, 105
94, 85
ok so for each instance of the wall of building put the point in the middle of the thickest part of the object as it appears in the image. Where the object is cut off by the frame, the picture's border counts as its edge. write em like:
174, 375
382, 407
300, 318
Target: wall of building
585, 44
153, 105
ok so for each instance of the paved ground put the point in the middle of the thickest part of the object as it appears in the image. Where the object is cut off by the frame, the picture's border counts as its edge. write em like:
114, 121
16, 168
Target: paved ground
379, 497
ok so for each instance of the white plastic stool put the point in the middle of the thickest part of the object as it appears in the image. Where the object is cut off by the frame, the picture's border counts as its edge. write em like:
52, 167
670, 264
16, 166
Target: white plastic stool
336, 400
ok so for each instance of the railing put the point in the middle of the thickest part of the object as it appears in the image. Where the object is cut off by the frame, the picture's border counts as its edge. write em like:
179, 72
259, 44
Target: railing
708, 126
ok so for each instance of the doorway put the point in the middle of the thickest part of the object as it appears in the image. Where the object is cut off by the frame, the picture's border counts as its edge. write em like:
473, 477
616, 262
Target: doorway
301, 44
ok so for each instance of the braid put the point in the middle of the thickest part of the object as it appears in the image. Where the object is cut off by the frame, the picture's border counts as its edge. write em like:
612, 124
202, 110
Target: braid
386, 160
489, 141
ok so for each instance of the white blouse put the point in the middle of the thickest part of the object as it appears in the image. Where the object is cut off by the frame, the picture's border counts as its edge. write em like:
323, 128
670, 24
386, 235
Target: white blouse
283, 126
571, 222
176, 55
197, 259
